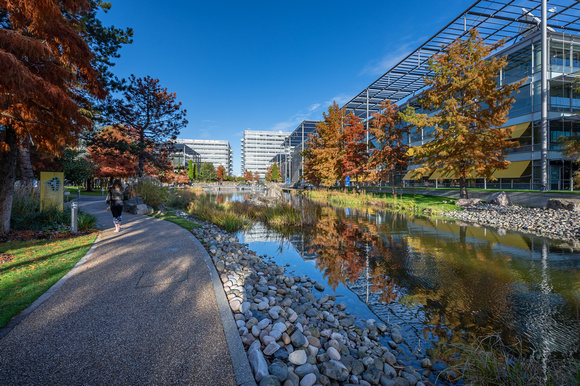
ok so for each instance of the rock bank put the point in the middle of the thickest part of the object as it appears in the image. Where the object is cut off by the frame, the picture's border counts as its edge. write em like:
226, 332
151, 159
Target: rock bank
557, 224
294, 334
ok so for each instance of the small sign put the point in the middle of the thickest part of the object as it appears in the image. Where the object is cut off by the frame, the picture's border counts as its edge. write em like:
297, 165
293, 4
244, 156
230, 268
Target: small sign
51, 190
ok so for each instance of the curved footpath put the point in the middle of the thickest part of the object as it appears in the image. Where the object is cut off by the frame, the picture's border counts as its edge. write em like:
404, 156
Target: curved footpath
145, 306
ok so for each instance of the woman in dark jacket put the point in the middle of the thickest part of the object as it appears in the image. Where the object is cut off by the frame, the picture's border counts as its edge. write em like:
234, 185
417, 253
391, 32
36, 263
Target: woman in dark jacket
116, 202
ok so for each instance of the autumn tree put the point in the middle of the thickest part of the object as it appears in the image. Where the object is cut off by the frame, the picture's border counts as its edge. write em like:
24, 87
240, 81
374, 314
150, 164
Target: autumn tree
181, 177
256, 177
114, 151
248, 176
469, 109
155, 116
47, 71
355, 152
390, 154
268, 175
571, 149
220, 172
323, 156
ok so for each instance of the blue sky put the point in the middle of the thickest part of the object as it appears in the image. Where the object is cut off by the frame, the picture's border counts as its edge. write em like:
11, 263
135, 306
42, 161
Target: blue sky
268, 65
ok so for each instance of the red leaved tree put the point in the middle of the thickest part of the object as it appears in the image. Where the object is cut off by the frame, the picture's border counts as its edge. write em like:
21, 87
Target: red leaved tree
46, 73
111, 150
221, 172
154, 115
247, 175
390, 154
355, 154
256, 177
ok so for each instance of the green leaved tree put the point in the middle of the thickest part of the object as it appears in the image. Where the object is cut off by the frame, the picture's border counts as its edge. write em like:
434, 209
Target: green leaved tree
190, 170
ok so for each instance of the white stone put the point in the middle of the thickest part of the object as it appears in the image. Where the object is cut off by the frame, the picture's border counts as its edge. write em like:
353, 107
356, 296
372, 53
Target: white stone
298, 357
308, 380
263, 323
333, 353
271, 348
280, 327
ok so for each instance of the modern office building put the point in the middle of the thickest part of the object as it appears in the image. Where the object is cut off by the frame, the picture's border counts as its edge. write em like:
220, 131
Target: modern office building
258, 149
542, 47
289, 159
182, 155
217, 152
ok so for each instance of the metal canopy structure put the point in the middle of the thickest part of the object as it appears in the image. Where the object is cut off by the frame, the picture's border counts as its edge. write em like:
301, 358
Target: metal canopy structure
495, 20
301, 132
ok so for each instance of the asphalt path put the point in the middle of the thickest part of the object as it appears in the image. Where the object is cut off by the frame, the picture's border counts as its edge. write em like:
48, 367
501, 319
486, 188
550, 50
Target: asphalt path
144, 307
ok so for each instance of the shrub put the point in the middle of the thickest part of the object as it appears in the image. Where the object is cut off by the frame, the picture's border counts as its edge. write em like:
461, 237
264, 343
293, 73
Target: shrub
86, 221
152, 191
180, 198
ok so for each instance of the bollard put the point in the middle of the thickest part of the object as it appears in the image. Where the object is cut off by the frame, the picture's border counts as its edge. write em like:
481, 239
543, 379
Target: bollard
74, 217
79, 193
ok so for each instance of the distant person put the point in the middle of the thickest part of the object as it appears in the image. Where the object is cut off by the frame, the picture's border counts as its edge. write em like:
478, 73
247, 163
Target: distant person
115, 199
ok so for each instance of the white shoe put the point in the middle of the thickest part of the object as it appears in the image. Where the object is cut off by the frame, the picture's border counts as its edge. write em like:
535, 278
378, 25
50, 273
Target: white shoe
116, 230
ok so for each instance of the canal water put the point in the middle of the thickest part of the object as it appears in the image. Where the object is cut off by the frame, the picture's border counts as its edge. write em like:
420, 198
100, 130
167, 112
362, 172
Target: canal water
441, 282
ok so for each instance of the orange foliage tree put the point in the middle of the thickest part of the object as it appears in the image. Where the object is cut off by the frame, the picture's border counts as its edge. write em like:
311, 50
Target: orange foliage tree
247, 175
390, 154
337, 149
112, 151
221, 172
153, 115
355, 154
469, 111
323, 156
47, 72
256, 177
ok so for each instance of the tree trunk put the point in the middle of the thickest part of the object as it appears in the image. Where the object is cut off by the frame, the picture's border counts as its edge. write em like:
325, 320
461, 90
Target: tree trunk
26, 173
463, 188
140, 165
7, 178
89, 184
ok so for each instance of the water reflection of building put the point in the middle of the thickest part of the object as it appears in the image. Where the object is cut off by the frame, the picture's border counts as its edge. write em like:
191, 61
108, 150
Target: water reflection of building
259, 232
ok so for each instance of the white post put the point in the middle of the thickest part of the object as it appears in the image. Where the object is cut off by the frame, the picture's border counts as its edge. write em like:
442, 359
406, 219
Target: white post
74, 217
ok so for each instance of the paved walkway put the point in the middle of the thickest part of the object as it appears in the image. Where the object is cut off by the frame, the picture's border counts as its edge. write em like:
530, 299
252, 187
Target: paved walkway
144, 307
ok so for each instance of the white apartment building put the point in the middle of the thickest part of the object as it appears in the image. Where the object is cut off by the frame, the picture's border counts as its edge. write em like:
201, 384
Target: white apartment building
217, 152
258, 149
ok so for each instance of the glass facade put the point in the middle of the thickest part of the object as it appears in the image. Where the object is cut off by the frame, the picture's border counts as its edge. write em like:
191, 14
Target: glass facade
524, 63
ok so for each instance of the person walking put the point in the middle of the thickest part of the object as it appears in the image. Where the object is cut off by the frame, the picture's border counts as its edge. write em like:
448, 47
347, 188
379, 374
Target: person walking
115, 199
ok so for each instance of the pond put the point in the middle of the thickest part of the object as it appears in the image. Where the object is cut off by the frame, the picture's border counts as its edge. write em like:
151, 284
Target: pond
442, 282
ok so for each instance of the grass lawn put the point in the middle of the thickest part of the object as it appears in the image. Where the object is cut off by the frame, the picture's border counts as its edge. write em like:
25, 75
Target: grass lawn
75, 189
172, 217
35, 267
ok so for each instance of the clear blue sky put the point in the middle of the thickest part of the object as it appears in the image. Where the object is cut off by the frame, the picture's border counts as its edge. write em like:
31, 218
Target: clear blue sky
268, 65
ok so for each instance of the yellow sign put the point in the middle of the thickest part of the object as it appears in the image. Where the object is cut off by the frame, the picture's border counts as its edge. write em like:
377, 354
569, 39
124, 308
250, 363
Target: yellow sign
51, 190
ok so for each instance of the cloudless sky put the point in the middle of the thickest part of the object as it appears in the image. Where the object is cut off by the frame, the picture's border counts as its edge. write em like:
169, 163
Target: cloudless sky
268, 65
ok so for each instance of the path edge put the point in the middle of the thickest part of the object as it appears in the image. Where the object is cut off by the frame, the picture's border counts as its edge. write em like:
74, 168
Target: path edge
15, 321
242, 370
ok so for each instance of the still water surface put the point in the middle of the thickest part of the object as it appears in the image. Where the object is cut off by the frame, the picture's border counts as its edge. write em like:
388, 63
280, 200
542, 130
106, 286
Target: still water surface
440, 281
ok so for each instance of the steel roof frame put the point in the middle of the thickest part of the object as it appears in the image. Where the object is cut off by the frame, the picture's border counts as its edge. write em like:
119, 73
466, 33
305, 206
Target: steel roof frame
495, 20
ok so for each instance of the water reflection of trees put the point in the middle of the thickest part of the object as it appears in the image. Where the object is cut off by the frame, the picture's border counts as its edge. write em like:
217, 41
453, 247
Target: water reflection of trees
463, 288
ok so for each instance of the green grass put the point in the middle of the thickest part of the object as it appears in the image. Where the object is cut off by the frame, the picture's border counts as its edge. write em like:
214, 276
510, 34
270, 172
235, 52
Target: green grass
37, 265
182, 222
432, 206
75, 189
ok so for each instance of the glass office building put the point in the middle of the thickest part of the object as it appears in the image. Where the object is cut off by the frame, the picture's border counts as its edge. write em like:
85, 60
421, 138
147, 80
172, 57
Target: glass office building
539, 122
